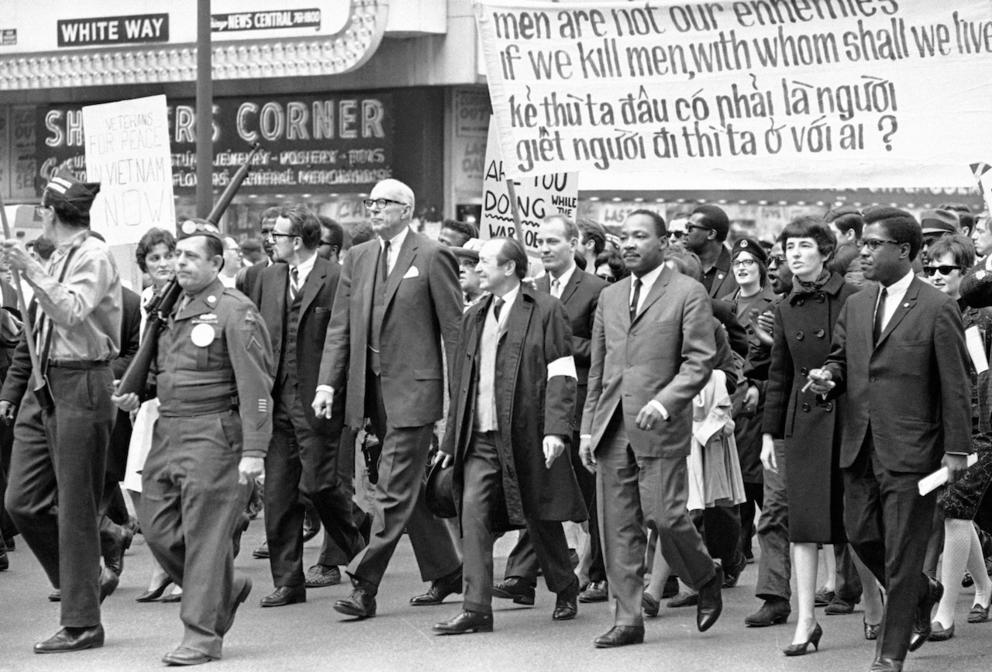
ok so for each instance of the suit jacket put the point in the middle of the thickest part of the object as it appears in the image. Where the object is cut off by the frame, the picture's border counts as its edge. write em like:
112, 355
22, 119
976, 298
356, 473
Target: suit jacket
423, 307
912, 388
529, 406
724, 281
666, 353
247, 278
270, 294
580, 298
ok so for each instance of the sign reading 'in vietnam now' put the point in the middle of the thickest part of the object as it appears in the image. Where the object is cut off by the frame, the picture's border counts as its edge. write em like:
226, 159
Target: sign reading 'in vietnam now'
743, 94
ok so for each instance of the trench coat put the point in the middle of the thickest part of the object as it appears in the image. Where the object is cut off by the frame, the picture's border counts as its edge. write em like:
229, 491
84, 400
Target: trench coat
529, 406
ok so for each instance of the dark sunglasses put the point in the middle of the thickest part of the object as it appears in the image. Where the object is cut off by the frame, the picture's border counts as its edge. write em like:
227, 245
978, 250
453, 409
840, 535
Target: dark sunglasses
943, 270
677, 235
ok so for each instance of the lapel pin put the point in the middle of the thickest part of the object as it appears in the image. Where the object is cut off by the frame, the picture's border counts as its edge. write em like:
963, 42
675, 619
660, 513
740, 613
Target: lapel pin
211, 300
906, 305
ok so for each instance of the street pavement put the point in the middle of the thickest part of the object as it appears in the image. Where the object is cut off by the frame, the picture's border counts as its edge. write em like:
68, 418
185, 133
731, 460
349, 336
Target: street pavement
313, 636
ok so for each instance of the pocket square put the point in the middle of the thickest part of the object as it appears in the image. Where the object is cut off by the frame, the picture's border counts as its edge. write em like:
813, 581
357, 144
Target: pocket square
411, 273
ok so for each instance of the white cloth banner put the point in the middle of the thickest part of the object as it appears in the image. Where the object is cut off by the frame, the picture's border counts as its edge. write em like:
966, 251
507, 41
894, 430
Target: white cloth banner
745, 94
127, 152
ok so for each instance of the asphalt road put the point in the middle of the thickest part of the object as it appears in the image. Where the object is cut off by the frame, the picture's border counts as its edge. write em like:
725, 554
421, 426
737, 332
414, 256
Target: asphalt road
313, 636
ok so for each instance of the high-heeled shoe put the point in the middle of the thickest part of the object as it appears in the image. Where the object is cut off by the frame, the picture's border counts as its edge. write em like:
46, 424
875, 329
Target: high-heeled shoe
153, 594
803, 648
872, 630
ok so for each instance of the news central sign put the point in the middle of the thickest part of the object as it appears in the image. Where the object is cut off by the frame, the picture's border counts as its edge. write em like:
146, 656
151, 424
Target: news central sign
265, 20
93, 31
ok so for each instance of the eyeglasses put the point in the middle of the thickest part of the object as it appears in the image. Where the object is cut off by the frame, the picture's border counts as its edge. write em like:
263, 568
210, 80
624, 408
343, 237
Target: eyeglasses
379, 203
874, 243
776, 259
697, 226
677, 235
745, 263
943, 270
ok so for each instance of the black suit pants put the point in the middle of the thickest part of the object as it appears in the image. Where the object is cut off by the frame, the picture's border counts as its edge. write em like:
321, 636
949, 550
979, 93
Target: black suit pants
888, 524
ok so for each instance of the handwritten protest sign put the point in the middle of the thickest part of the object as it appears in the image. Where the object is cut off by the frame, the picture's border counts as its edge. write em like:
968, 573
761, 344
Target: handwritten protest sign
537, 197
744, 94
127, 152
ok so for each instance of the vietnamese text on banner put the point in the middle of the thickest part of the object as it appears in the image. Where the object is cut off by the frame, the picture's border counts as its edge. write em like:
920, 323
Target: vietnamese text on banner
745, 94
127, 152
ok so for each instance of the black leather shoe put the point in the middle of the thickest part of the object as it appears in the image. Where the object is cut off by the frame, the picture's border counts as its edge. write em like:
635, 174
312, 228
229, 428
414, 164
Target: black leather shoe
516, 589
772, 612
650, 605
284, 595
710, 601
184, 656
566, 603
939, 633
320, 576
839, 607
108, 583
823, 597
671, 588
597, 591
311, 525
439, 590
4, 562
921, 627
683, 600
620, 635
802, 648
155, 593
240, 590
72, 639
886, 665
360, 604
262, 552
114, 557
467, 621
733, 573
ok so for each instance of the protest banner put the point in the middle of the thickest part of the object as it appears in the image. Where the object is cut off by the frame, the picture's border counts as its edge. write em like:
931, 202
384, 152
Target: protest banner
743, 94
127, 152
536, 197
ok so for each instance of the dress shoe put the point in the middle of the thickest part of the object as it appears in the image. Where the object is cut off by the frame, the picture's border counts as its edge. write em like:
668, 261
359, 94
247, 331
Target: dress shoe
733, 573
650, 604
516, 589
566, 603
320, 576
939, 633
153, 594
823, 597
360, 604
839, 607
10, 546
467, 621
4, 562
772, 612
978, 613
108, 583
620, 635
573, 558
802, 648
710, 601
597, 591
72, 639
439, 590
55, 596
921, 627
240, 528
311, 526
284, 595
262, 552
683, 600
886, 665
240, 591
184, 655
872, 630
671, 588
114, 557
174, 596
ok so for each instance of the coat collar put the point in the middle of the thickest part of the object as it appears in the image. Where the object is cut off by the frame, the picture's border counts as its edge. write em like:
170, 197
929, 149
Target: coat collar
408, 252
204, 301
657, 289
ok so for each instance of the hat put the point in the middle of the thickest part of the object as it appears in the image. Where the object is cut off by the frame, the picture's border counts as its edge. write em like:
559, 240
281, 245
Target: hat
752, 247
64, 188
939, 222
465, 254
439, 494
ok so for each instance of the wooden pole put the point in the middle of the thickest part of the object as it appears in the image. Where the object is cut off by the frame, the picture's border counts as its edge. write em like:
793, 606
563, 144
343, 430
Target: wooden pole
204, 112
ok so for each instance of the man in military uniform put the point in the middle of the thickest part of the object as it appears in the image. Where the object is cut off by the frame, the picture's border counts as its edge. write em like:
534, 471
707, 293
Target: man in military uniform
213, 370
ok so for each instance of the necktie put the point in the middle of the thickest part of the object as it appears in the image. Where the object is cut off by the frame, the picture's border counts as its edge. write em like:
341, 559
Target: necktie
294, 283
385, 261
556, 288
876, 331
497, 306
635, 299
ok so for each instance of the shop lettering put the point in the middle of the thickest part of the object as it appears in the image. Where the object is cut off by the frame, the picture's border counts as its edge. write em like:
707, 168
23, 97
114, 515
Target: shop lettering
113, 30
322, 120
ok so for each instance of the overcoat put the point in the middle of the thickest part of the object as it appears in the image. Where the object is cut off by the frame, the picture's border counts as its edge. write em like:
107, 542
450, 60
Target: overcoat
531, 402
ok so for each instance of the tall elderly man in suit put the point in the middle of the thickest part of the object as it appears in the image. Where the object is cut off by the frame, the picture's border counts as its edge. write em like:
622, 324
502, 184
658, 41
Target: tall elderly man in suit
652, 351
295, 299
899, 353
578, 291
397, 304
510, 471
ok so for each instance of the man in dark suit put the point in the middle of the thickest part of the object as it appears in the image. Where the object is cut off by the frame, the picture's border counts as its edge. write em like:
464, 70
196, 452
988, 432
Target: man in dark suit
578, 291
398, 302
247, 277
295, 299
652, 351
899, 353
706, 232
509, 469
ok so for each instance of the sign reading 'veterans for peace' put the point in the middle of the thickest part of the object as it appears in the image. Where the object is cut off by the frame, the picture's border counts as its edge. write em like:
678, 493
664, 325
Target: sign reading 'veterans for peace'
746, 94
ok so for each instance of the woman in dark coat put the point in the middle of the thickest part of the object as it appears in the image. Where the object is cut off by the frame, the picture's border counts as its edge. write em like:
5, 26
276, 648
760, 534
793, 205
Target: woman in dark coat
804, 323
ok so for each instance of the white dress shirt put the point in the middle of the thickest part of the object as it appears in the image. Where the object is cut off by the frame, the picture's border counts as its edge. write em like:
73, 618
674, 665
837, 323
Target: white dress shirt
894, 295
562, 281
